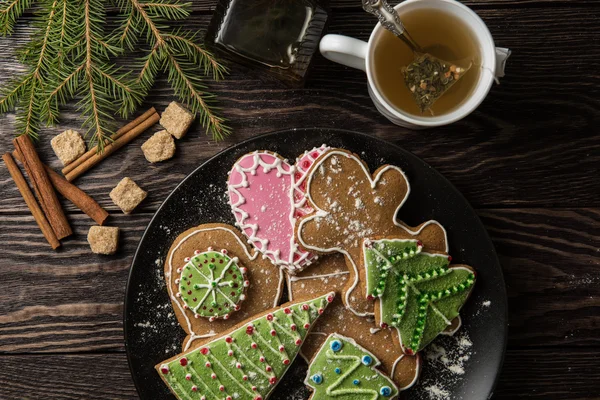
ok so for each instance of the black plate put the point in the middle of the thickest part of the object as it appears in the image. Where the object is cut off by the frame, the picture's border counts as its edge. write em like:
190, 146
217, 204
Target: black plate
152, 333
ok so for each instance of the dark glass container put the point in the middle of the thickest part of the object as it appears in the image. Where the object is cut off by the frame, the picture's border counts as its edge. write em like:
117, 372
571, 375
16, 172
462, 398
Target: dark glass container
279, 37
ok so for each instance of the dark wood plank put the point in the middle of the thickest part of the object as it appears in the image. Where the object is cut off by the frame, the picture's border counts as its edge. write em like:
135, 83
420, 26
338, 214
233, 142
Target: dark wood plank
531, 143
71, 301
552, 272
534, 373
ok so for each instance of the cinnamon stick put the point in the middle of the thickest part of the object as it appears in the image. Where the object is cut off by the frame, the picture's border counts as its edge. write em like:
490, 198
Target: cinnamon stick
35, 209
42, 187
71, 192
117, 135
112, 147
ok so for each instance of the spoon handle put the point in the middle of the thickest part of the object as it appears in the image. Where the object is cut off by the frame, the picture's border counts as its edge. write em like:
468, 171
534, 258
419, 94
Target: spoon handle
388, 17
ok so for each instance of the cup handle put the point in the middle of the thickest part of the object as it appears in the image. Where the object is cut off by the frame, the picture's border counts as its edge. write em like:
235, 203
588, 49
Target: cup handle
502, 55
344, 50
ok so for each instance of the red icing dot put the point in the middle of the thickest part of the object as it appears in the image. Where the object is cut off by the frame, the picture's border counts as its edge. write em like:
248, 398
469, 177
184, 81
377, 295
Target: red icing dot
449, 258
220, 261
269, 317
370, 297
230, 271
305, 307
210, 310
212, 260
229, 339
293, 327
258, 398
245, 377
298, 342
409, 352
232, 293
286, 361
183, 361
306, 164
207, 365
195, 299
235, 285
268, 368
384, 325
194, 388
287, 310
234, 277
205, 261
321, 311
273, 332
329, 298
228, 398
222, 388
189, 292
254, 345
306, 326
250, 330
204, 351
273, 380
191, 275
164, 370
419, 243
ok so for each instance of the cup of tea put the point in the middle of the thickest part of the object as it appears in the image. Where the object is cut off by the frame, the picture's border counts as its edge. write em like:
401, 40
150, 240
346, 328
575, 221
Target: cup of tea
454, 31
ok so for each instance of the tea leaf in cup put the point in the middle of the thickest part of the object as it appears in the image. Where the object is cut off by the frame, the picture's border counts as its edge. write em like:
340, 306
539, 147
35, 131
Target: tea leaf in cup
428, 78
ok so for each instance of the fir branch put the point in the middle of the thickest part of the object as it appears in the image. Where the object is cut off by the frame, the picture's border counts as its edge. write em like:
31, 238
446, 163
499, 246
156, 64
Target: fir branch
89, 74
10, 11
26, 92
176, 54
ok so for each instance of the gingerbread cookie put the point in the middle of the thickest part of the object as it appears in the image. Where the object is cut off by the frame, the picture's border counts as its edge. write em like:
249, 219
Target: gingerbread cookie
266, 195
342, 368
417, 293
351, 205
215, 281
247, 361
331, 273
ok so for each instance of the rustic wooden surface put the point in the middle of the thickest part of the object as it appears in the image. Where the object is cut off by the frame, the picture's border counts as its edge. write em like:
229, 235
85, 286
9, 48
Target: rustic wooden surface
528, 160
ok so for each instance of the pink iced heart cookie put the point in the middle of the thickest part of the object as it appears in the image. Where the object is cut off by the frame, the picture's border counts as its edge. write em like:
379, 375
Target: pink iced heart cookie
267, 194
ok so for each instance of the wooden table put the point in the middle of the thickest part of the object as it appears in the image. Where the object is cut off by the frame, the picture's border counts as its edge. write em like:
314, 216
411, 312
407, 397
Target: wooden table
528, 161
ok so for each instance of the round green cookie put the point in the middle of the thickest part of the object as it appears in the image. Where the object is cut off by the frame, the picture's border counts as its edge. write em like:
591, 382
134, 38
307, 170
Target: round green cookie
212, 284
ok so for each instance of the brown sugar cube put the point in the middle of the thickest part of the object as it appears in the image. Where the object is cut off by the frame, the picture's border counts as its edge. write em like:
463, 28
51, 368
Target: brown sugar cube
103, 239
176, 119
127, 195
159, 147
68, 146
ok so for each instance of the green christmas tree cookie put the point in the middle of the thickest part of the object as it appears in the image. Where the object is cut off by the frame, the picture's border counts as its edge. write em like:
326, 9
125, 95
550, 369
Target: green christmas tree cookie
343, 369
418, 293
246, 363
212, 284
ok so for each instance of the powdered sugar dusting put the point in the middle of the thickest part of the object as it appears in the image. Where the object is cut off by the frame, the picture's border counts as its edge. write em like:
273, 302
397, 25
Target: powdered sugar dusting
445, 363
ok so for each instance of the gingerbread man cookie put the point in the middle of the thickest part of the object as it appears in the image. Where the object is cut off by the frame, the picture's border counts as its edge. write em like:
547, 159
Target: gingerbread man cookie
352, 205
215, 281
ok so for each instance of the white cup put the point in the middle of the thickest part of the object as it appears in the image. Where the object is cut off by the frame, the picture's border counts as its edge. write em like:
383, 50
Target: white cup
359, 54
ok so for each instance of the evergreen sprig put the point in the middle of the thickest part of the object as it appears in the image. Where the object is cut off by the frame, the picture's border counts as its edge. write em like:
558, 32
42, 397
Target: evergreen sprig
71, 56
175, 52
